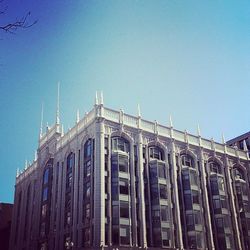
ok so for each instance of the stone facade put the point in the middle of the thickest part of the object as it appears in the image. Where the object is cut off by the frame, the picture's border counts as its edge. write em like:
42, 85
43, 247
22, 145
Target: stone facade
119, 181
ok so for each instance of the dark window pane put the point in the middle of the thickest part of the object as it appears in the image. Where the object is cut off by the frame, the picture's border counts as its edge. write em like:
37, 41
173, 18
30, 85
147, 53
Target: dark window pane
161, 171
163, 191
124, 209
123, 186
164, 213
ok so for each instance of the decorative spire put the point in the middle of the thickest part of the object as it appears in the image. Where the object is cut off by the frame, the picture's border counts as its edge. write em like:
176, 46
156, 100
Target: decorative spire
62, 130
41, 126
26, 164
17, 172
198, 130
223, 139
35, 155
96, 98
58, 103
138, 110
47, 127
245, 146
101, 101
170, 121
77, 116
186, 136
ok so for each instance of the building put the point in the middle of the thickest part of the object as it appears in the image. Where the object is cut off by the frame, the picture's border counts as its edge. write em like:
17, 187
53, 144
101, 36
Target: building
242, 142
5, 224
119, 181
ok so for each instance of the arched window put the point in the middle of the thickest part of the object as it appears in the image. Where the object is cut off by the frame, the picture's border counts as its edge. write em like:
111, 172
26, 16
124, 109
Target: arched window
156, 153
70, 165
215, 167
187, 161
46, 176
239, 174
121, 144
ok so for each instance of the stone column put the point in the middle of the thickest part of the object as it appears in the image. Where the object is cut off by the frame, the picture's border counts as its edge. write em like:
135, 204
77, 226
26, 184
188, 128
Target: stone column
175, 200
206, 208
99, 186
142, 210
232, 204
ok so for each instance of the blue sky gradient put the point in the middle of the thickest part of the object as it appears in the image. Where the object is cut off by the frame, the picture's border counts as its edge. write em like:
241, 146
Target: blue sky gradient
190, 59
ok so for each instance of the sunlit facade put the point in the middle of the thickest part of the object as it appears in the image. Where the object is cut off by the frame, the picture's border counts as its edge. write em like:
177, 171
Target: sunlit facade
119, 181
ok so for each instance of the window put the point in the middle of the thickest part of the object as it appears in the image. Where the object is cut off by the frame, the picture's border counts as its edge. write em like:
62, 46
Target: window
87, 149
239, 174
115, 235
119, 143
154, 192
42, 229
164, 213
187, 161
45, 194
163, 191
197, 217
221, 183
125, 235
156, 153
185, 180
124, 186
153, 171
192, 242
161, 170
115, 215
46, 176
156, 214
195, 194
215, 167
165, 237
188, 201
124, 209
189, 220
157, 236
216, 203
44, 211
87, 168
123, 163
193, 178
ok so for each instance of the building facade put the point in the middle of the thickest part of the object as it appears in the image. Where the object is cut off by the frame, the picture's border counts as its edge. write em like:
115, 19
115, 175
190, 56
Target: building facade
116, 181
5, 224
242, 142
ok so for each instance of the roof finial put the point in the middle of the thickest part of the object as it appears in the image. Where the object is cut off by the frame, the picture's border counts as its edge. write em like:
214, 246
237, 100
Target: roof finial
101, 101
245, 146
17, 172
198, 130
26, 164
223, 139
58, 103
138, 110
96, 98
41, 126
77, 116
170, 121
35, 155
62, 130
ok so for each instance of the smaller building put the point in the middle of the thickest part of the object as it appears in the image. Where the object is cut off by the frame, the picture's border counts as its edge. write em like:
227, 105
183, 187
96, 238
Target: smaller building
5, 224
241, 142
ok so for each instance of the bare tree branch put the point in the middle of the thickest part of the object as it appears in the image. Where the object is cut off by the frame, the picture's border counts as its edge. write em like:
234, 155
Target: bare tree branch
21, 23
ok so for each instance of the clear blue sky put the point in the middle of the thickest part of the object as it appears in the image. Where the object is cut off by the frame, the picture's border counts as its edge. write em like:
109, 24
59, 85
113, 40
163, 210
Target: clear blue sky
190, 59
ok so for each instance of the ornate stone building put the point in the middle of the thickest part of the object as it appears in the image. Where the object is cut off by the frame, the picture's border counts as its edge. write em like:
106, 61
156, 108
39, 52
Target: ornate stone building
119, 181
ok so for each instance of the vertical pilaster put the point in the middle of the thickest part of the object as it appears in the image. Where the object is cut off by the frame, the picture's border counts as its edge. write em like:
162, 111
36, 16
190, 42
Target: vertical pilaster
232, 204
99, 187
175, 201
142, 215
133, 198
210, 243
